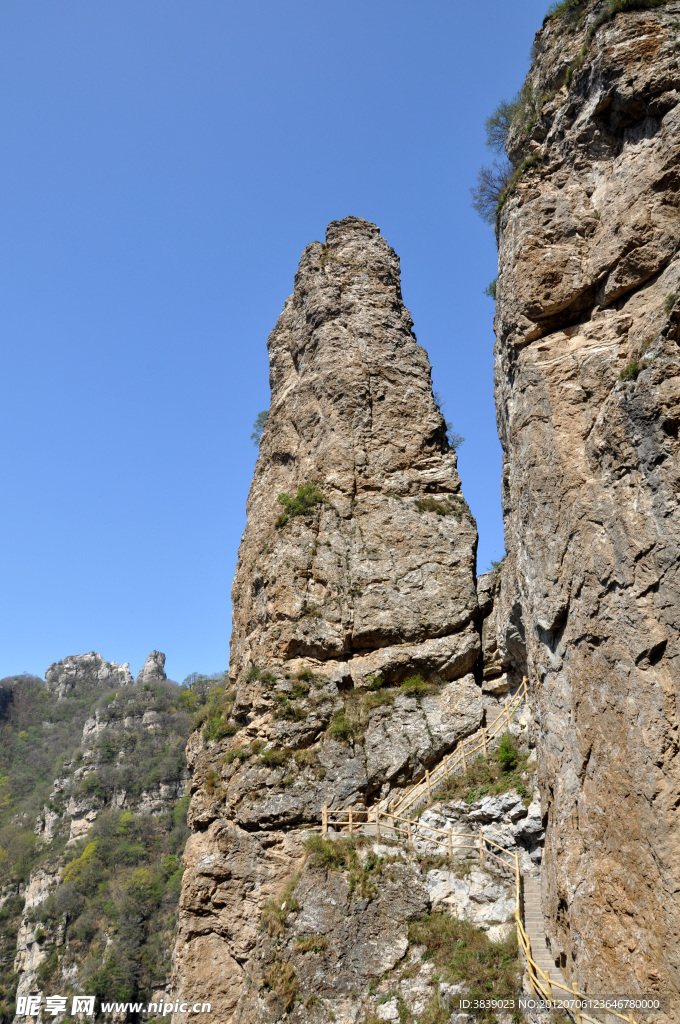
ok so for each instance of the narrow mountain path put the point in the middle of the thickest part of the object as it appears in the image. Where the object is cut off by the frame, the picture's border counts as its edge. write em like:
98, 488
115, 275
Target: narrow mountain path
534, 924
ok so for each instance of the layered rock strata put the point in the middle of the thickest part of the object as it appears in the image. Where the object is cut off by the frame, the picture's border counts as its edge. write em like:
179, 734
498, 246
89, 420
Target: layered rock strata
355, 629
588, 399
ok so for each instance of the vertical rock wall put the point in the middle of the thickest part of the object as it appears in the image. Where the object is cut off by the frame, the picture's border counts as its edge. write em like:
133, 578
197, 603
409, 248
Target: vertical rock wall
356, 573
588, 399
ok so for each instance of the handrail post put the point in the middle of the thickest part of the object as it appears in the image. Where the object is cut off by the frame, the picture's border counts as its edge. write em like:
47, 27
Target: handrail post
350, 819
507, 713
450, 838
377, 822
427, 780
481, 846
484, 740
324, 819
576, 1010
548, 986
462, 754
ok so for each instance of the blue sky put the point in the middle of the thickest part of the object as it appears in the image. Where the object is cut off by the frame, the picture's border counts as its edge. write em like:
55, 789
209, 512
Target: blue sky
165, 163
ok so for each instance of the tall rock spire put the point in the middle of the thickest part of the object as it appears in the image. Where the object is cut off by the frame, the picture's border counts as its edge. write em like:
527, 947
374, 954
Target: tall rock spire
355, 610
384, 559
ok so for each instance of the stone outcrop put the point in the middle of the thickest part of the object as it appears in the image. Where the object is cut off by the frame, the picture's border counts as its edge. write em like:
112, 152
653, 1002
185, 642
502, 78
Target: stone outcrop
355, 616
153, 669
86, 670
588, 399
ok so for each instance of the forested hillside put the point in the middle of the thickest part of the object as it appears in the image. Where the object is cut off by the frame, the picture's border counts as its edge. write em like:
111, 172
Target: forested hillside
92, 827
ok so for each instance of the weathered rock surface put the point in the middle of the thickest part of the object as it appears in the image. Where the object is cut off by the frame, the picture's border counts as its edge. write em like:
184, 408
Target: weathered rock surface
588, 399
337, 947
503, 641
356, 573
153, 669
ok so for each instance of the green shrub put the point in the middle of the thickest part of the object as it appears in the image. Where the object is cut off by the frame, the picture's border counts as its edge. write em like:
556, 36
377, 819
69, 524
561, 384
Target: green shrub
258, 427
562, 7
241, 753
490, 289
416, 686
491, 775
256, 674
341, 855
508, 754
515, 178
302, 504
287, 708
520, 112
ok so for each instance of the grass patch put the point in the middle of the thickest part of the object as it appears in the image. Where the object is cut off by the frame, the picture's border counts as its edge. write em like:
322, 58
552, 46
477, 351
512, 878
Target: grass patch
212, 717
341, 855
463, 953
309, 758
416, 686
256, 674
631, 371
352, 721
341, 728
275, 912
286, 706
670, 301
242, 753
311, 944
498, 773
275, 757
282, 982
301, 504
453, 506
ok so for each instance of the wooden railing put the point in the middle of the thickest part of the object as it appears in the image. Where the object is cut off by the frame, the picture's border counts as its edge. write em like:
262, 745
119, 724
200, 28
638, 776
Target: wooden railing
461, 756
386, 823
543, 986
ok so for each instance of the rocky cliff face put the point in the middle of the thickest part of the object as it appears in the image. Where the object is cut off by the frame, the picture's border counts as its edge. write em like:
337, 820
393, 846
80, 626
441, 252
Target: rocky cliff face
588, 398
355, 610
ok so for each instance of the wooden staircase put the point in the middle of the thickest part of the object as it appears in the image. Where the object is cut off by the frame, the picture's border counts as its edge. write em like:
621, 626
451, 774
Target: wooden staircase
535, 925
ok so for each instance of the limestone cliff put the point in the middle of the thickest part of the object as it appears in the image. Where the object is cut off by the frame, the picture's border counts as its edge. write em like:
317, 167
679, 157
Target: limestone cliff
355, 612
588, 399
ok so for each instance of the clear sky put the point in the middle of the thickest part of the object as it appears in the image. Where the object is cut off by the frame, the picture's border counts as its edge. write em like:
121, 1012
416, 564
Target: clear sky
165, 162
